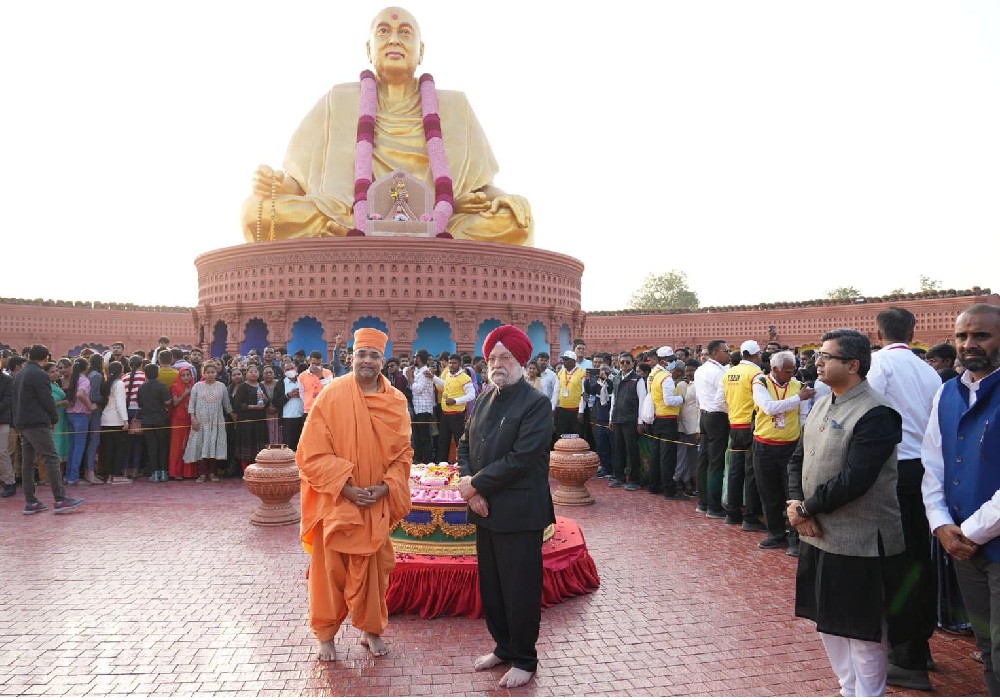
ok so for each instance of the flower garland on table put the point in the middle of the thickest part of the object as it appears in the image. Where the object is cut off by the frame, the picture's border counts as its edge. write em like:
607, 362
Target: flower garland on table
444, 196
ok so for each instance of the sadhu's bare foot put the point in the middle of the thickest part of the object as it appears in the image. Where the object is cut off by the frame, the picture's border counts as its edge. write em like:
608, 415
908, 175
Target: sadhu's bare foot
487, 661
374, 643
515, 677
326, 651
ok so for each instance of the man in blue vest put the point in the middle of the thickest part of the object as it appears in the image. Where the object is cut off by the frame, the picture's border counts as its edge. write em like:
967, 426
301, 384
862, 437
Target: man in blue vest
961, 484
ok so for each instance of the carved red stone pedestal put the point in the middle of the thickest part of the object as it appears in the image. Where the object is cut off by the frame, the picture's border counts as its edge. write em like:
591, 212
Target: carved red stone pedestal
572, 463
274, 479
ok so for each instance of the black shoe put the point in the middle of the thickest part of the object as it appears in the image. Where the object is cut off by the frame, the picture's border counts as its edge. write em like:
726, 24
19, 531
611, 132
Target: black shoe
676, 496
754, 526
715, 514
655, 490
632, 486
793, 548
8, 491
915, 678
615, 484
602, 474
774, 542
734, 519
701, 509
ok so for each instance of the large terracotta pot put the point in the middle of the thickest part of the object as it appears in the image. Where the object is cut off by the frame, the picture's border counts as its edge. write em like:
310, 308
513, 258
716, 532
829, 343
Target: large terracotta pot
274, 479
572, 463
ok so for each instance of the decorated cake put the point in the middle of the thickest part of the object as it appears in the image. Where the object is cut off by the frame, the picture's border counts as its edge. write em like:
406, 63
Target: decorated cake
437, 522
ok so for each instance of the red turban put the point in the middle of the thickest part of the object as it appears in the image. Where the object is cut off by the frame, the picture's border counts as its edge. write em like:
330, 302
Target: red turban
513, 338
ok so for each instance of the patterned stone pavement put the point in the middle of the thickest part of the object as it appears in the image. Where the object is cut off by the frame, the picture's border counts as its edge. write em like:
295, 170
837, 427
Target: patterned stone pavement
168, 590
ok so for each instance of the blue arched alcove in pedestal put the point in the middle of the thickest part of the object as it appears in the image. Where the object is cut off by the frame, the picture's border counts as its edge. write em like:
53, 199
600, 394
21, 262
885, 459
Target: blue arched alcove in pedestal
485, 328
565, 339
307, 335
371, 322
255, 336
536, 333
434, 336
220, 336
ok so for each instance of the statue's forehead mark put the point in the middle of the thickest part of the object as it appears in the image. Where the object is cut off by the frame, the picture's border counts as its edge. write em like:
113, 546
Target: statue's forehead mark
395, 16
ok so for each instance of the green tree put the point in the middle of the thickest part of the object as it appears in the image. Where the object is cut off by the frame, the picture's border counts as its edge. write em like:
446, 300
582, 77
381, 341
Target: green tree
666, 291
843, 293
929, 285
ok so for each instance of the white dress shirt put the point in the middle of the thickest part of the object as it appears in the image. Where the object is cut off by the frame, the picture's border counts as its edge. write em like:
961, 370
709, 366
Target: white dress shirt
708, 383
550, 386
983, 525
909, 385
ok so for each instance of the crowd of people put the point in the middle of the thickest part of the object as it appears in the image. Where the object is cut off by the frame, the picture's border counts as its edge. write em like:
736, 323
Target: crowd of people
850, 493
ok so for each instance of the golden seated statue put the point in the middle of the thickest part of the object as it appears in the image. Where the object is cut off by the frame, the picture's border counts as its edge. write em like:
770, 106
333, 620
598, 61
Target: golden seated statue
314, 195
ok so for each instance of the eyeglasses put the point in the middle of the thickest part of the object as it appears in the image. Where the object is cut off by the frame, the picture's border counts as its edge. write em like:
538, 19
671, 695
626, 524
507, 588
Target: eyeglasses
624, 362
825, 356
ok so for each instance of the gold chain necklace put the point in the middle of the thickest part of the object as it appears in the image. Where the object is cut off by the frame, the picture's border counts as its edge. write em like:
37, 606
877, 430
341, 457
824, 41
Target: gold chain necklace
260, 209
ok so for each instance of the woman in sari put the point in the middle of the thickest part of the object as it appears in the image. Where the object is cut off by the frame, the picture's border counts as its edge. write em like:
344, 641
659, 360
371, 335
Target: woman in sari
180, 426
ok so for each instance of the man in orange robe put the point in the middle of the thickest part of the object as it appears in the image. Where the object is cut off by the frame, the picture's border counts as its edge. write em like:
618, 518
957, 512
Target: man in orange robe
354, 457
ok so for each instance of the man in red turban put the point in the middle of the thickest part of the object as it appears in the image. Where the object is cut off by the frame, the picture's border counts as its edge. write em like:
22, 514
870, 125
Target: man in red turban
514, 339
507, 490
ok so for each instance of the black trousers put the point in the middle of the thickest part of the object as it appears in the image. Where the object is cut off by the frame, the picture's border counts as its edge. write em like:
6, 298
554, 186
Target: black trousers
663, 455
627, 464
113, 450
770, 467
450, 429
423, 448
157, 441
510, 585
920, 605
291, 431
742, 482
567, 422
712, 460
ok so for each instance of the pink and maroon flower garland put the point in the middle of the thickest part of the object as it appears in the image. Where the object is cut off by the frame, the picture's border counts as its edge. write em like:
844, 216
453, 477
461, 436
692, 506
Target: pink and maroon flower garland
444, 197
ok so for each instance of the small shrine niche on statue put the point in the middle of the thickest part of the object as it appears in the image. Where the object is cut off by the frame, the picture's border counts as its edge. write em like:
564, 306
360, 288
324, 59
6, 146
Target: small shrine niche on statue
400, 205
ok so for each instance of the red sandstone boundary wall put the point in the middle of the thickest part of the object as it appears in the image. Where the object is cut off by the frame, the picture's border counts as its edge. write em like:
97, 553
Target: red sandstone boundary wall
794, 327
63, 328
66, 328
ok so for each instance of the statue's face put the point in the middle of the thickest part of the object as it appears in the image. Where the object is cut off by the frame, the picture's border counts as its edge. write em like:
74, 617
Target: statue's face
394, 46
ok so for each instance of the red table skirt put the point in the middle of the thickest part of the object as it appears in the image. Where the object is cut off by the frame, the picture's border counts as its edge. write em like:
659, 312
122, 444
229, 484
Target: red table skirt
430, 586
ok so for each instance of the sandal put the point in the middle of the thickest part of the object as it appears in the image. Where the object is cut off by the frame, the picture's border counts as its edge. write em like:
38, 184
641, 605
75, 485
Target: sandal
200, 479
214, 477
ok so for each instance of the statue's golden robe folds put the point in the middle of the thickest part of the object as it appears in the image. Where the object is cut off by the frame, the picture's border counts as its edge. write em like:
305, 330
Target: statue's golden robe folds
320, 158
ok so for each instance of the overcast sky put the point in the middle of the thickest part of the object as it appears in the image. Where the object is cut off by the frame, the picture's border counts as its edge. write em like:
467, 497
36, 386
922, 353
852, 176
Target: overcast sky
772, 151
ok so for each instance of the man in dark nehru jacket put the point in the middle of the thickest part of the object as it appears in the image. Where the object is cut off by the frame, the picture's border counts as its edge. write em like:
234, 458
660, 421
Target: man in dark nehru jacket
504, 459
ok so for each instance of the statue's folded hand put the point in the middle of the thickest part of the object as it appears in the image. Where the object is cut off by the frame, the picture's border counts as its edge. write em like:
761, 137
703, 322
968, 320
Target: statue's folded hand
472, 203
265, 176
518, 206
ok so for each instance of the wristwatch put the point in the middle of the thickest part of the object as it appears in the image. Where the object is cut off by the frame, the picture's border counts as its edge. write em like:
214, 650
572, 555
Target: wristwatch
801, 510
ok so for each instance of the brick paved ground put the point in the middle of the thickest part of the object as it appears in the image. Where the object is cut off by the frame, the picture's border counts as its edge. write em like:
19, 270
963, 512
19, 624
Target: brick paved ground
168, 590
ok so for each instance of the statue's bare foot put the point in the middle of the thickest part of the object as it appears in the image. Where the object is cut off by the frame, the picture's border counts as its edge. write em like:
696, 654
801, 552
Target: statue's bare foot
515, 677
487, 661
326, 651
374, 643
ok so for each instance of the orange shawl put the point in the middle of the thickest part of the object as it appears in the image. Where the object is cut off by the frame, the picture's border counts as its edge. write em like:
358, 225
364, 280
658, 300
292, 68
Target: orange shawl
362, 437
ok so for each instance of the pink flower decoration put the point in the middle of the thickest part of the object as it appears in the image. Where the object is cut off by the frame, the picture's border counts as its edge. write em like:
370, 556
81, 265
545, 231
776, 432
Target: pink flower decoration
425, 217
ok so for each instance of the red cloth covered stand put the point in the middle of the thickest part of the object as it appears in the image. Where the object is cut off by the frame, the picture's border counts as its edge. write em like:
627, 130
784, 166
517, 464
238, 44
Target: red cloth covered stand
431, 586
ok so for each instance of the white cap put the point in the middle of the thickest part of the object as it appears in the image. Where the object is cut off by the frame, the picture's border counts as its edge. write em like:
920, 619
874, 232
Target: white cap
570, 355
750, 347
665, 351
